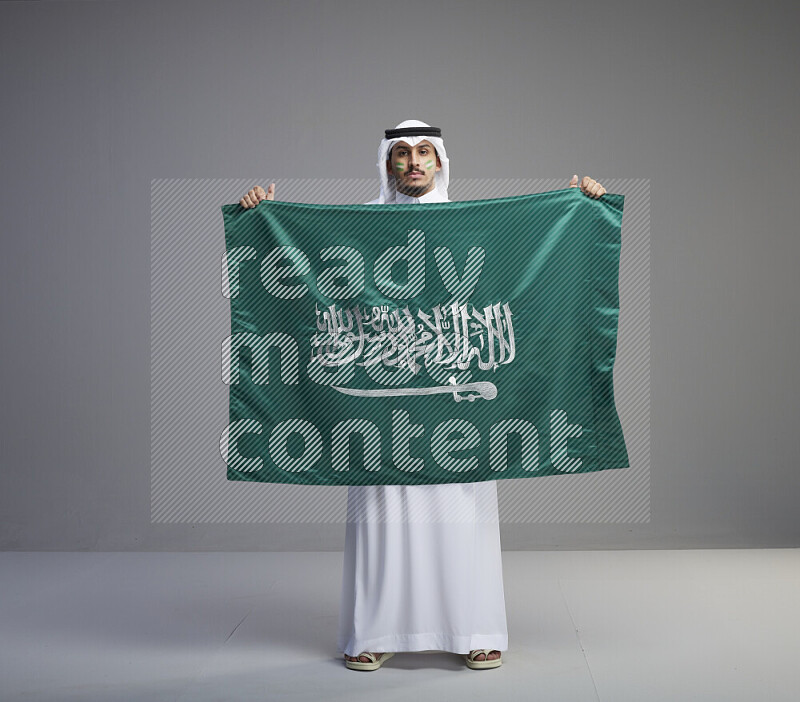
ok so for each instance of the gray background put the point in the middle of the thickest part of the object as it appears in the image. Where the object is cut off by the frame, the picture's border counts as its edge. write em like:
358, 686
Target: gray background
101, 98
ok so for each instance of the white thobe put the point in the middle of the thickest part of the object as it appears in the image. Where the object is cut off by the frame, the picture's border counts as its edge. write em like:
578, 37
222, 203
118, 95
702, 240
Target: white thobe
422, 564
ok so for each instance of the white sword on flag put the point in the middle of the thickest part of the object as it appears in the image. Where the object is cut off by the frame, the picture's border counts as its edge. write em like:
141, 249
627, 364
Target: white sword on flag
485, 389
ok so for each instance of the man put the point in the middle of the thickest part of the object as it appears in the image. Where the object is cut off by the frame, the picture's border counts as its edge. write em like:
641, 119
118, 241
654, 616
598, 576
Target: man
422, 563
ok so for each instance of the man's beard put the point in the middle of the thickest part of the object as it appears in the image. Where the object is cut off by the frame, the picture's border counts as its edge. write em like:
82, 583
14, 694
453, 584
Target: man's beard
415, 190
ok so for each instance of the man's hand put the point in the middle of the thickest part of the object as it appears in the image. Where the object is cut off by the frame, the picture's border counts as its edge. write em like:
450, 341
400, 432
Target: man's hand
256, 195
588, 186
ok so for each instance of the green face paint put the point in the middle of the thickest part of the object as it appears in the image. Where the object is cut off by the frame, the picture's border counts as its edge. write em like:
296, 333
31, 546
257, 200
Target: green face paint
399, 166
429, 164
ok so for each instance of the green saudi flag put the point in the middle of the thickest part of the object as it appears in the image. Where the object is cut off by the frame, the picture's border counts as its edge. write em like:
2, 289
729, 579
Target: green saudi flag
444, 342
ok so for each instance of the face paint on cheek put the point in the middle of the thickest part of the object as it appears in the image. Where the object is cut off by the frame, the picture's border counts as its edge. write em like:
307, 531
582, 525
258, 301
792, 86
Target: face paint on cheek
399, 166
429, 165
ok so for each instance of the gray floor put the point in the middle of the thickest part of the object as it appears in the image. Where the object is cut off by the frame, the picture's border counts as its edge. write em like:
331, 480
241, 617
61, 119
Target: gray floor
583, 625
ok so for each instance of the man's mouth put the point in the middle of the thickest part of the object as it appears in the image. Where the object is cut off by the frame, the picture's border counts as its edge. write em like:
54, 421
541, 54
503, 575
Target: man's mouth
416, 174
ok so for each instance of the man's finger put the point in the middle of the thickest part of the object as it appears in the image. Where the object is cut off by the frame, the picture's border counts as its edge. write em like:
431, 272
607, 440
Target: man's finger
271, 191
574, 182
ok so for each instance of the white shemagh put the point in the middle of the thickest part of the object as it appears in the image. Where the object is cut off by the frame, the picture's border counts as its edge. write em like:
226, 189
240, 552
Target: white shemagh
388, 187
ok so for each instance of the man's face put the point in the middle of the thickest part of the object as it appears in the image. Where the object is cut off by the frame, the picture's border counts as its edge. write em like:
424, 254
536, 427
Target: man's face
414, 167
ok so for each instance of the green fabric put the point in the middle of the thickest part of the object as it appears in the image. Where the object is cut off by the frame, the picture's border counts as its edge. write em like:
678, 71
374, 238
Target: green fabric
343, 340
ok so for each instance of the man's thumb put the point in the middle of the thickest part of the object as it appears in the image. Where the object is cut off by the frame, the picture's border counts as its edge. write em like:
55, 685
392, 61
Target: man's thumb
574, 182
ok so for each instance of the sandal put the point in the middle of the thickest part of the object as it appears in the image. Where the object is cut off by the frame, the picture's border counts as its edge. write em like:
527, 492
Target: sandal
485, 663
374, 665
